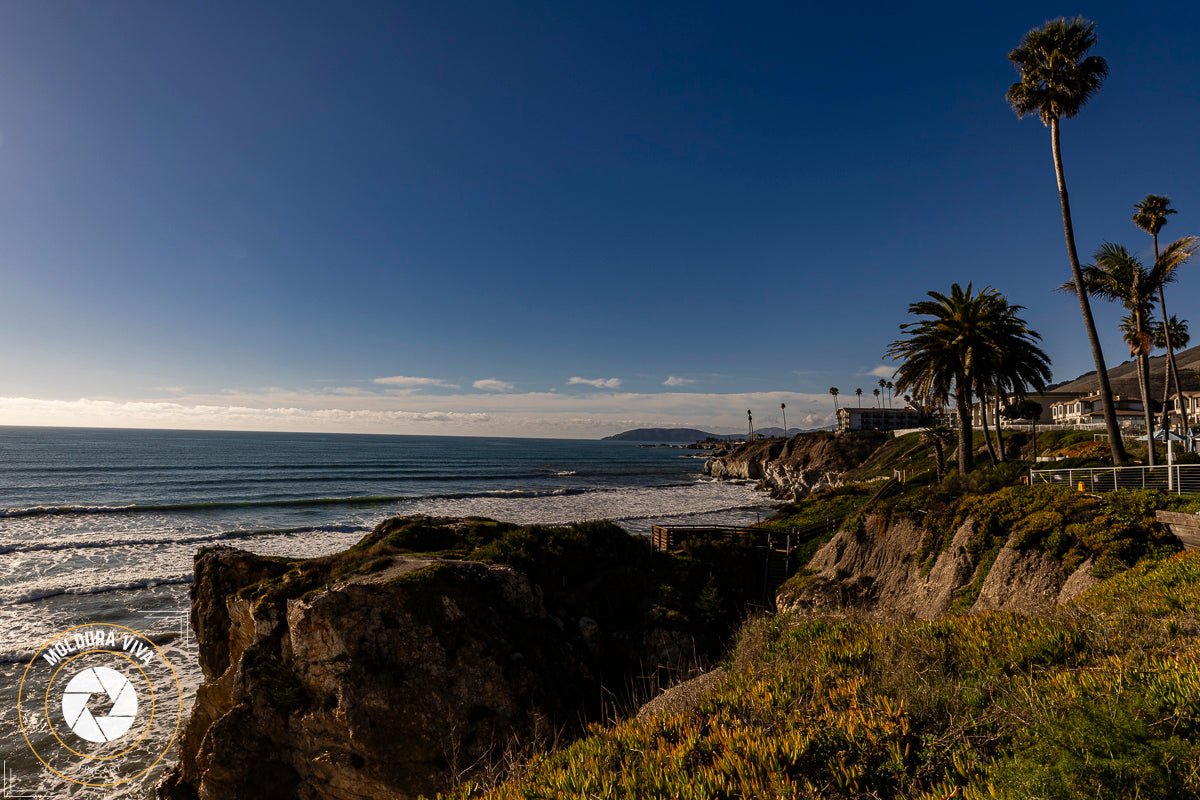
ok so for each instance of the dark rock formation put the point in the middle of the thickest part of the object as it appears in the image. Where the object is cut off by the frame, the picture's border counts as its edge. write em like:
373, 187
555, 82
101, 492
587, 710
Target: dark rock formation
382, 686
797, 466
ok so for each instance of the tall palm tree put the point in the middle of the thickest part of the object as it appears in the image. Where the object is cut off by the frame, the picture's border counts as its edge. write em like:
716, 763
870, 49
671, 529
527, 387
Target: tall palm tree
876, 391
1057, 79
1119, 276
960, 339
859, 393
1151, 215
833, 390
783, 408
1175, 332
890, 386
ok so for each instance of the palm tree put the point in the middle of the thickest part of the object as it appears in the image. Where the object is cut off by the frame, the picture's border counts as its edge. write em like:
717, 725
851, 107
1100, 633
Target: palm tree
1057, 79
750, 423
859, 393
1002, 372
937, 435
833, 390
1135, 332
783, 408
960, 340
1119, 276
890, 386
1175, 332
1151, 215
876, 398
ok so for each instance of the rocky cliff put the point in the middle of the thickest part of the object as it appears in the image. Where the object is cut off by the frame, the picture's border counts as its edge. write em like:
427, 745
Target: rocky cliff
799, 465
381, 672
878, 569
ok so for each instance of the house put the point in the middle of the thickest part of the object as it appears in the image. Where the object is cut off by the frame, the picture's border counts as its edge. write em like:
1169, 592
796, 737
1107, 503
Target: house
1045, 399
1088, 410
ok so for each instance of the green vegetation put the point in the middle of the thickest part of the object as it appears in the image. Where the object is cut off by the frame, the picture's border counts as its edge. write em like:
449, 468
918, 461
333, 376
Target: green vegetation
1101, 700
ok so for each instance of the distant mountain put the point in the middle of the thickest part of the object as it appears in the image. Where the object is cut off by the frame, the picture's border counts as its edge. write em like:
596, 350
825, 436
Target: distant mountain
667, 435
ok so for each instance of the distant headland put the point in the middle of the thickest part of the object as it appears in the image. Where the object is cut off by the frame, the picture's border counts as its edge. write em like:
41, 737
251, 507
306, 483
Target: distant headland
691, 435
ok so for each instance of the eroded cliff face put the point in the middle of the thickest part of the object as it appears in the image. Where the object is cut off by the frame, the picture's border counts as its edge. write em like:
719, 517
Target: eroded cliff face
387, 672
876, 570
382, 686
799, 465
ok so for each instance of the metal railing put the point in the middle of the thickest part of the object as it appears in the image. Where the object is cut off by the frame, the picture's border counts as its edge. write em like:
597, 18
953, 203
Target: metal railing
1177, 478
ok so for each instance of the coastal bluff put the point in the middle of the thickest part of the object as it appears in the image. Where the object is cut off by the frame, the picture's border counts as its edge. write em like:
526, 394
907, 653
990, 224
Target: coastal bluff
799, 465
428, 653
878, 570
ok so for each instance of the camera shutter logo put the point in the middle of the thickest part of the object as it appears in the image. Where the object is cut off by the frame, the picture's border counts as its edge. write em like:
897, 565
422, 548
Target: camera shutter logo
100, 704
102, 681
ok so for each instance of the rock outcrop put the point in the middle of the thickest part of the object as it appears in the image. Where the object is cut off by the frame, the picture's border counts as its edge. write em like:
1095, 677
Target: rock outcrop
876, 570
383, 686
797, 466
424, 654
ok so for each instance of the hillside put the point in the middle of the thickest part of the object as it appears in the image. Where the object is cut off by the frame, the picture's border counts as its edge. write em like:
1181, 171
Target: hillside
1099, 698
1123, 377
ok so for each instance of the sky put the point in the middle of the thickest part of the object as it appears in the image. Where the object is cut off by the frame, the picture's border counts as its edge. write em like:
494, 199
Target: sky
544, 218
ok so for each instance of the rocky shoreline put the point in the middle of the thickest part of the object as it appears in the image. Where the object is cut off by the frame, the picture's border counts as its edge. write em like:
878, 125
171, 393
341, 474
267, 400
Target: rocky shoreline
793, 468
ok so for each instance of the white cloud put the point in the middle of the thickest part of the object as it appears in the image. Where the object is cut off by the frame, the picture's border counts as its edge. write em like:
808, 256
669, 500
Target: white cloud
407, 382
493, 385
599, 383
883, 371
675, 380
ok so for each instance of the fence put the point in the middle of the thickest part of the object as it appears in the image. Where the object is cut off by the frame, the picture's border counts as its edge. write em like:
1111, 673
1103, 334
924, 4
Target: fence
1178, 478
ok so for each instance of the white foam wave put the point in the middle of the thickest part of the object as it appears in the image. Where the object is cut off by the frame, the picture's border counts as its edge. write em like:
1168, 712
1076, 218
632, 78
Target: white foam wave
146, 583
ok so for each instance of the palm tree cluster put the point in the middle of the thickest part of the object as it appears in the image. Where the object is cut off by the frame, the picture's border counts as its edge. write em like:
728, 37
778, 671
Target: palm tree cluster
1056, 79
1119, 276
968, 344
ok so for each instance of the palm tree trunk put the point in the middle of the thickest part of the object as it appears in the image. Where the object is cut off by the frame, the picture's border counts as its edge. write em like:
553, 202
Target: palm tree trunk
1110, 415
962, 399
1172, 370
1165, 422
1143, 369
987, 434
999, 428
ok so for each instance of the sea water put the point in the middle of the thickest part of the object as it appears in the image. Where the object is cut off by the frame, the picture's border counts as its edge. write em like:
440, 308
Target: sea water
99, 527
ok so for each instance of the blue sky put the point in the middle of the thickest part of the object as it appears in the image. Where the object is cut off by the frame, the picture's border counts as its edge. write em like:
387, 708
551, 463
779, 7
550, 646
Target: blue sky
542, 219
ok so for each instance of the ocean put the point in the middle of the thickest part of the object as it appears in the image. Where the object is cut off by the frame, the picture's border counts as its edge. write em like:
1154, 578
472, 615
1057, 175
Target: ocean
98, 529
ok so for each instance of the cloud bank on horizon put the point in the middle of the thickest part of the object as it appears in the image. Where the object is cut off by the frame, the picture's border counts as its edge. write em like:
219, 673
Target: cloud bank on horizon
495, 413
